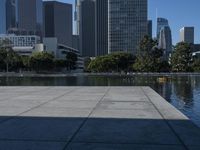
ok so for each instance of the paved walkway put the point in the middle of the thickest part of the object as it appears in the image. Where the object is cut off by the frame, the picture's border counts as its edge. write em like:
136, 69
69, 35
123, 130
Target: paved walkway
92, 118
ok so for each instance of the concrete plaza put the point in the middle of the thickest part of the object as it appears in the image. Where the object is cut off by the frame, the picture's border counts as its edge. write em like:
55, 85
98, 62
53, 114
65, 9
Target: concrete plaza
92, 118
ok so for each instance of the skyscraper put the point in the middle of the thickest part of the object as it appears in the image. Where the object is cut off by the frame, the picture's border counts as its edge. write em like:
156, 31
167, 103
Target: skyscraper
101, 27
8, 15
87, 27
2, 16
127, 24
150, 28
161, 22
30, 17
187, 35
165, 41
164, 37
11, 14
58, 21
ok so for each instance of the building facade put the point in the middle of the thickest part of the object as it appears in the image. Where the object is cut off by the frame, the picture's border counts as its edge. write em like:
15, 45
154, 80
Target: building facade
8, 15
101, 27
161, 22
87, 27
29, 17
21, 17
58, 21
22, 44
187, 35
165, 41
20, 40
127, 24
2, 16
150, 25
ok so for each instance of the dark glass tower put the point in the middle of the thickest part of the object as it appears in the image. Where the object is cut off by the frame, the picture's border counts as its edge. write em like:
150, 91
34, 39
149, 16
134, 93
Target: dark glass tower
11, 15
58, 21
127, 21
161, 22
87, 27
165, 41
101, 27
30, 17
150, 24
8, 15
2, 16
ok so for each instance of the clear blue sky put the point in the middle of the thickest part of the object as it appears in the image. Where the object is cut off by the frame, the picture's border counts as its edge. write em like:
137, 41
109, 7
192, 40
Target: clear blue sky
179, 13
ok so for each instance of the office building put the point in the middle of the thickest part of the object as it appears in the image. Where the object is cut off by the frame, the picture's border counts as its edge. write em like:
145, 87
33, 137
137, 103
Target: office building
59, 51
21, 17
187, 35
86, 27
21, 40
22, 44
58, 21
127, 24
165, 41
161, 22
75, 42
29, 17
101, 27
7, 15
150, 25
2, 16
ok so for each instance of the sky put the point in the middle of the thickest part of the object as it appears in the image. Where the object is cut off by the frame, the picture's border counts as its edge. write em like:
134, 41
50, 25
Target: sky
180, 13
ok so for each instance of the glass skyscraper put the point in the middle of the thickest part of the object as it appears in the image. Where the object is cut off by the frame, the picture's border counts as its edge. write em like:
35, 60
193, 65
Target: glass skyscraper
164, 37
58, 21
2, 16
165, 41
30, 17
101, 27
127, 24
21, 17
86, 28
161, 22
8, 15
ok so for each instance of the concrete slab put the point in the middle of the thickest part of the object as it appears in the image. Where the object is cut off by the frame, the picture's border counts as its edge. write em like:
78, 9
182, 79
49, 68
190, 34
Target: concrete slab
31, 145
97, 146
126, 131
107, 118
39, 129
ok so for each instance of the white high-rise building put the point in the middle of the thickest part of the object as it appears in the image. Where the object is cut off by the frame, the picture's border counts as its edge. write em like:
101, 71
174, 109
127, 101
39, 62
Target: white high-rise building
187, 35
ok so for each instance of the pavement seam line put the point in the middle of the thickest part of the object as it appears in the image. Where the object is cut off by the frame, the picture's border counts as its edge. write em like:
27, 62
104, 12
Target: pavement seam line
85, 120
172, 129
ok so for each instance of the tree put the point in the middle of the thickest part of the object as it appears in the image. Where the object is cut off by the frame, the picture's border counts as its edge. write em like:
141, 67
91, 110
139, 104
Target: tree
149, 57
117, 62
87, 61
41, 61
9, 59
3, 56
60, 64
196, 65
181, 58
71, 58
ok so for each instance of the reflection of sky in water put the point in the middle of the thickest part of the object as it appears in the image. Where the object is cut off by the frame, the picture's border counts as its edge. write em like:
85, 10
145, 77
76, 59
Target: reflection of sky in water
181, 91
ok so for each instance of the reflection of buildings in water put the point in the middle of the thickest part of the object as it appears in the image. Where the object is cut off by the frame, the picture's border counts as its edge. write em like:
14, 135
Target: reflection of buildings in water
165, 90
184, 90
196, 82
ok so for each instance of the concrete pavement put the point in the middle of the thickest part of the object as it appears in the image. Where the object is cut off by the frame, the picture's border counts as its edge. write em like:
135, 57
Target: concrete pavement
92, 118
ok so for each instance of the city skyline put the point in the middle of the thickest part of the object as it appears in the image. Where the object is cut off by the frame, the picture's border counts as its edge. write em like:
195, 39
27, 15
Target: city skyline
183, 16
